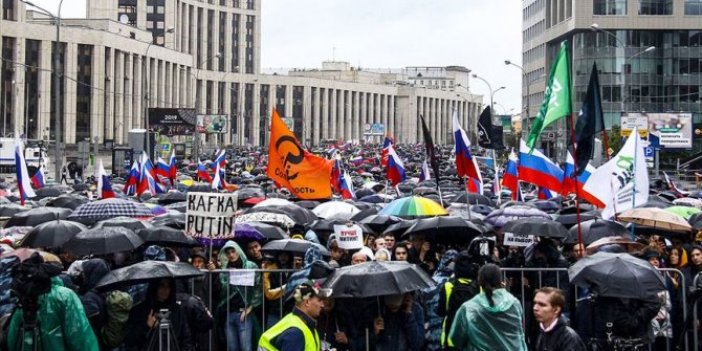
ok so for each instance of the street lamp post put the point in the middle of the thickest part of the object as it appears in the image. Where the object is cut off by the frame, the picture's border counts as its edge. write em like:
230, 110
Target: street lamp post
57, 75
145, 83
492, 93
196, 136
527, 83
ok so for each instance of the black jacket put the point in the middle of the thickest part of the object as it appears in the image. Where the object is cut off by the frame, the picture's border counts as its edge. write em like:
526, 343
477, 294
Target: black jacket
561, 338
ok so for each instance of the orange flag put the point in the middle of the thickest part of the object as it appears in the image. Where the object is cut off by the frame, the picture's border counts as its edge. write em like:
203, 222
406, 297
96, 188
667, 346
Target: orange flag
304, 174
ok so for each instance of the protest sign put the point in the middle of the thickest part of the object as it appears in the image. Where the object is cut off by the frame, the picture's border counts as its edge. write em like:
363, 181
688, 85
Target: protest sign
210, 215
512, 239
349, 237
242, 278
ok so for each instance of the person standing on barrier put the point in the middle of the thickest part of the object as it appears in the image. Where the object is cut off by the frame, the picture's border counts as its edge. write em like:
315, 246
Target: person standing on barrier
297, 331
492, 320
555, 332
235, 309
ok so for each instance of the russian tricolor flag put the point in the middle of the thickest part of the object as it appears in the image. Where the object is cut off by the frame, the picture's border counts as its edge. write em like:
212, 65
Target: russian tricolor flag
148, 180
220, 160
172, 170
104, 187
475, 186
396, 169
23, 182
356, 161
38, 179
130, 186
218, 182
536, 168
346, 187
544, 194
202, 172
424, 172
384, 153
336, 176
510, 178
570, 182
162, 168
466, 165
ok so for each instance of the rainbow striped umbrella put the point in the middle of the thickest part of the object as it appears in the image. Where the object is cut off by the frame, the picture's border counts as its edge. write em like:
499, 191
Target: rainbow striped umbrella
413, 207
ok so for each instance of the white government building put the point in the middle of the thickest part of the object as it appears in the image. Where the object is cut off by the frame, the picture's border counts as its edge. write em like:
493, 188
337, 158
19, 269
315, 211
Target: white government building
129, 55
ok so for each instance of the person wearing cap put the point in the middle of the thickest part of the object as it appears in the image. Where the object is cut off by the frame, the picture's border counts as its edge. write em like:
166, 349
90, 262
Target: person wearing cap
297, 331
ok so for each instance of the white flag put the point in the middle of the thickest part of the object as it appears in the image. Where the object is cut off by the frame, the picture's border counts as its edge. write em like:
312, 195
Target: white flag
625, 174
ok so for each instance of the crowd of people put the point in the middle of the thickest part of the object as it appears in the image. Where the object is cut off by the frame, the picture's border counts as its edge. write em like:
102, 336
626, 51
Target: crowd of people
485, 295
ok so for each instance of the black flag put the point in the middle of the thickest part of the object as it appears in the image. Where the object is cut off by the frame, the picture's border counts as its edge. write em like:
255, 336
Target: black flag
590, 122
489, 136
431, 151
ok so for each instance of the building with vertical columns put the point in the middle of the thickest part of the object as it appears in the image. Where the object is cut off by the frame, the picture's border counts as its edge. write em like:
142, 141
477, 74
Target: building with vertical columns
127, 56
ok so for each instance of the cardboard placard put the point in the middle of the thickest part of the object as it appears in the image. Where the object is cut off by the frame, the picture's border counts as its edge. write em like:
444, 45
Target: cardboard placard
512, 239
349, 237
210, 215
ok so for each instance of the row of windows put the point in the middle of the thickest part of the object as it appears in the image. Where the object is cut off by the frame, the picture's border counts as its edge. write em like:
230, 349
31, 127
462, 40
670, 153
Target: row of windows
634, 39
533, 31
558, 11
533, 9
646, 7
533, 54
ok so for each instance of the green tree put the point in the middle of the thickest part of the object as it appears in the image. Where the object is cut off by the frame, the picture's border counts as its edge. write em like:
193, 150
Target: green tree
614, 138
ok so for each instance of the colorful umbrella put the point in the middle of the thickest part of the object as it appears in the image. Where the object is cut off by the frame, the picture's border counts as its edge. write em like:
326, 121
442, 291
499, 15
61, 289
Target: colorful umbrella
683, 211
413, 207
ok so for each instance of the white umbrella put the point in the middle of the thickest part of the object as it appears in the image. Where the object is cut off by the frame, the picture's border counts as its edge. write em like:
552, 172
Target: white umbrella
336, 210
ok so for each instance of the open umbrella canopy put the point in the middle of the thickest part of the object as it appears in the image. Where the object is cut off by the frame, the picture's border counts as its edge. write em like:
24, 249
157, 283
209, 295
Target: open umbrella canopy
444, 229
173, 219
400, 228
569, 220
52, 234
101, 241
133, 224
617, 275
413, 207
146, 271
547, 206
172, 197
471, 198
9, 210
655, 218
295, 246
336, 210
70, 201
688, 201
166, 236
243, 232
37, 216
683, 211
280, 220
49, 192
596, 229
377, 279
296, 213
270, 232
95, 211
500, 217
378, 223
537, 226
625, 243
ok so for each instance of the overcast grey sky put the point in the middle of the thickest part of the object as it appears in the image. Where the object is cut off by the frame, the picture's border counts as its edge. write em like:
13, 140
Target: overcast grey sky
477, 34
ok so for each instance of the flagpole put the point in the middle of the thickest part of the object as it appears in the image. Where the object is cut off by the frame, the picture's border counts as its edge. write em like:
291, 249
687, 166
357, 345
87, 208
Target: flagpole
575, 176
633, 193
465, 187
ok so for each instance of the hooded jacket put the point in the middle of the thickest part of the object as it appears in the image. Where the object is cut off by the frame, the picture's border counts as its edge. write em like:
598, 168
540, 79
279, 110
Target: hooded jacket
479, 326
62, 323
251, 295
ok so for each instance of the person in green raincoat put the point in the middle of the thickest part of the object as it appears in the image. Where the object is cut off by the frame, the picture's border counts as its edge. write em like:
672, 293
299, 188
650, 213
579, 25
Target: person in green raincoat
61, 320
492, 320
238, 302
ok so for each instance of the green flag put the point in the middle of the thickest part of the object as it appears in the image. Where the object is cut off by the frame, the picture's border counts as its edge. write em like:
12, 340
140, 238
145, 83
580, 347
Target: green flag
556, 102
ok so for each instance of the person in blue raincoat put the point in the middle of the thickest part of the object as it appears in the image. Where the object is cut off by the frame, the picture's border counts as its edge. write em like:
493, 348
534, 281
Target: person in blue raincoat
61, 323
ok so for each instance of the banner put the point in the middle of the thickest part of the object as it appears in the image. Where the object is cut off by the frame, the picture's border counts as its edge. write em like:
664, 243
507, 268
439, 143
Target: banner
290, 166
631, 121
210, 215
211, 124
670, 130
172, 121
349, 237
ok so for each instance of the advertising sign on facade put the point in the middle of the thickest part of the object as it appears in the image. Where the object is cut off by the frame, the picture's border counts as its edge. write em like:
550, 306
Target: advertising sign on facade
630, 121
670, 130
172, 121
211, 124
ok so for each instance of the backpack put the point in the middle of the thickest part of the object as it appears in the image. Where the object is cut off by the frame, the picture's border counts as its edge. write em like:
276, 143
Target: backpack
118, 305
197, 314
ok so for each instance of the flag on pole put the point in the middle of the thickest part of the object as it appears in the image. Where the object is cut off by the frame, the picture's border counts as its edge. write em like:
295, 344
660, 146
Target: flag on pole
23, 182
396, 168
510, 179
220, 160
130, 186
574, 185
424, 172
431, 151
622, 182
544, 194
202, 172
162, 168
557, 97
148, 180
218, 180
39, 179
536, 168
383, 153
474, 186
672, 186
466, 165
172, 169
336, 175
590, 122
346, 187
104, 187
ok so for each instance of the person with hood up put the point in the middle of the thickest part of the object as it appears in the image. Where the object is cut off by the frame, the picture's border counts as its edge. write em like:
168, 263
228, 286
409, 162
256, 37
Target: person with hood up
61, 323
93, 303
143, 323
492, 320
239, 301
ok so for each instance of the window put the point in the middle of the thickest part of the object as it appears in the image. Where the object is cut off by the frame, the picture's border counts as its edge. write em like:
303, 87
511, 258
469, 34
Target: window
609, 7
655, 7
693, 7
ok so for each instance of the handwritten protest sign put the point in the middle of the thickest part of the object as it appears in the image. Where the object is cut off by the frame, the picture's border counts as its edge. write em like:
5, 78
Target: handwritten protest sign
349, 237
210, 215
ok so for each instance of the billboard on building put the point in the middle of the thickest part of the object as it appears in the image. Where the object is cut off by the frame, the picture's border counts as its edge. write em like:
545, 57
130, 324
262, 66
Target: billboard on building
630, 121
212, 123
172, 121
670, 130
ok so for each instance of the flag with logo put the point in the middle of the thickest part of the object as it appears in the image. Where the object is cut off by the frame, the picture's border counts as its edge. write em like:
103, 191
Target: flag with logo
557, 97
289, 165
622, 182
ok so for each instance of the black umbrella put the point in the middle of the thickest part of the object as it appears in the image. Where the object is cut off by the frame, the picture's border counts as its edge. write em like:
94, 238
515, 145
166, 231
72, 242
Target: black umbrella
471, 198
595, 229
547, 206
68, 201
271, 232
37, 216
52, 234
178, 206
165, 236
295, 246
617, 275
172, 220
249, 192
569, 220
308, 204
146, 271
377, 279
537, 226
657, 204
400, 228
361, 193
172, 197
9, 210
296, 213
482, 209
48, 192
101, 241
364, 213
378, 223
133, 224
444, 229
81, 187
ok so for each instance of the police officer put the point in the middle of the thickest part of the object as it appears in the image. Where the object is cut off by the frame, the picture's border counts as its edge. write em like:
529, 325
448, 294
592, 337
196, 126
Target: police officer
298, 330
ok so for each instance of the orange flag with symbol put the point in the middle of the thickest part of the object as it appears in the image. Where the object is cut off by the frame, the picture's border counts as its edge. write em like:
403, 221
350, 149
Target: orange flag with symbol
289, 165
